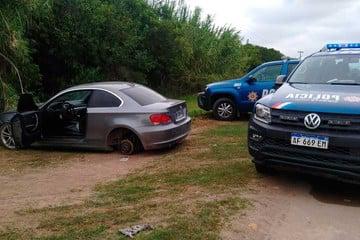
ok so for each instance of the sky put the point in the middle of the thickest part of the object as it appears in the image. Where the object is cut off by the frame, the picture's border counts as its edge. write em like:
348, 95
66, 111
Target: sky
288, 25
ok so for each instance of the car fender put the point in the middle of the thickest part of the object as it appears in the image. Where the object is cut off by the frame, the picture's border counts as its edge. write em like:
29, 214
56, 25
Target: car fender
6, 117
115, 127
265, 100
232, 93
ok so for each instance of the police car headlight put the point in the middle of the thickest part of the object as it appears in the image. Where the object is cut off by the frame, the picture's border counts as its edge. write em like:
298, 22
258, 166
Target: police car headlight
263, 113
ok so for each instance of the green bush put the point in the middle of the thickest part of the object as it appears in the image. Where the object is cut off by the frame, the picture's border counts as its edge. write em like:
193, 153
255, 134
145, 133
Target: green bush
163, 44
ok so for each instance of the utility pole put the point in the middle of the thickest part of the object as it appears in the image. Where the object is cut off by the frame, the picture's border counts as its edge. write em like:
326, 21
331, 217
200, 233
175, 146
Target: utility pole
300, 54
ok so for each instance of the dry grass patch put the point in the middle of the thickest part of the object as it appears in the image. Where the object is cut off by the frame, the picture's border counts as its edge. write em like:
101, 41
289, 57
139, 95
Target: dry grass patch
188, 193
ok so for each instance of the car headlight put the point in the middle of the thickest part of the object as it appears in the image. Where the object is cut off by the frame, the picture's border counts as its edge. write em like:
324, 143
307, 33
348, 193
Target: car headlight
262, 113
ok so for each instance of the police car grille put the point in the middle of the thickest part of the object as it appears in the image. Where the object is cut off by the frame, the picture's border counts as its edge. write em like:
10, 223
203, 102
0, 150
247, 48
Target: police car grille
334, 155
330, 122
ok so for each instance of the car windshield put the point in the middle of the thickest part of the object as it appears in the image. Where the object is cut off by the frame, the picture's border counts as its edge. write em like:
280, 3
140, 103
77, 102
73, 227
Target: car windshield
332, 69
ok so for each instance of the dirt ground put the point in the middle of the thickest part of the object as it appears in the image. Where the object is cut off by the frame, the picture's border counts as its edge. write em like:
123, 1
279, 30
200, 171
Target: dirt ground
63, 184
292, 206
285, 206
39, 178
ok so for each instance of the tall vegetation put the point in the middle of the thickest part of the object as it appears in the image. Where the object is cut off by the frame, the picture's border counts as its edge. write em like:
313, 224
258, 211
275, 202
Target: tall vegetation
160, 43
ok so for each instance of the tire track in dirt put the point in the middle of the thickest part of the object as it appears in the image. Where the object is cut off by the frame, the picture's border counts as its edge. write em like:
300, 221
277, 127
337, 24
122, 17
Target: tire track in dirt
298, 207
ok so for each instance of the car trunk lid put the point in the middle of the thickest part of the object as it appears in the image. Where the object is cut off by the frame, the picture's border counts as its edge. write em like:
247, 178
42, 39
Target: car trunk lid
176, 108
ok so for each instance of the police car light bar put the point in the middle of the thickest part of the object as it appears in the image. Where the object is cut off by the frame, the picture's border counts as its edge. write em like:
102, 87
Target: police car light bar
338, 46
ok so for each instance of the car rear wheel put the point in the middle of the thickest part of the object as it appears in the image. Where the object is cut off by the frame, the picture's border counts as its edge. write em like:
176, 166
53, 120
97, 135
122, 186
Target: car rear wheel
127, 147
224, 109
7, 137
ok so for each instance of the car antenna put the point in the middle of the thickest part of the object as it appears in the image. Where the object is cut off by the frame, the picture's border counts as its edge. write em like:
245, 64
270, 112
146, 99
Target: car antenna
16, 70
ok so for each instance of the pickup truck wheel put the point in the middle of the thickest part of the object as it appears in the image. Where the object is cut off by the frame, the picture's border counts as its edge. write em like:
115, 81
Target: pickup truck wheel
263, 169
224, 109
7, 138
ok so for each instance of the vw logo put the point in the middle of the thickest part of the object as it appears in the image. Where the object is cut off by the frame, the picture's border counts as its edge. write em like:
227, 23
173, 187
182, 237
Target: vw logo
312, 121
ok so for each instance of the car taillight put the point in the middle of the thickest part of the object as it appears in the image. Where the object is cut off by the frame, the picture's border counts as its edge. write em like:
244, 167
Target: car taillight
160, 119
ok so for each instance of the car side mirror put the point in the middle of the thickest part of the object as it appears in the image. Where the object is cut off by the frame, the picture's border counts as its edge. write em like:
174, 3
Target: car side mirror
251, 79
280, 80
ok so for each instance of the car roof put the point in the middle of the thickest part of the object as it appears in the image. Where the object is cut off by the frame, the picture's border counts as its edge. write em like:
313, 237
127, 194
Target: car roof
110, 86
337, 52
282, 61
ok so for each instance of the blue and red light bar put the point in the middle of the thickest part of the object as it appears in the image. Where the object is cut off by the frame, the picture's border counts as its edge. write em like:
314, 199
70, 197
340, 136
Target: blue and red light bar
338, 46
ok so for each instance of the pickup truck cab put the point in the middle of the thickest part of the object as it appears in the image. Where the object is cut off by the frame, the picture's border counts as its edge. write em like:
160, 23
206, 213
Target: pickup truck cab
227, 99
312, 122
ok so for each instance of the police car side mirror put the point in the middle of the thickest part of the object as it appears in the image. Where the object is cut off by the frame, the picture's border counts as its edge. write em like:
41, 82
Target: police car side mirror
280, 81
251, 79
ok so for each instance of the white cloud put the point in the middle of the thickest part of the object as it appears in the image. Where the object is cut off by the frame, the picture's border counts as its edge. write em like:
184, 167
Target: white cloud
288, 25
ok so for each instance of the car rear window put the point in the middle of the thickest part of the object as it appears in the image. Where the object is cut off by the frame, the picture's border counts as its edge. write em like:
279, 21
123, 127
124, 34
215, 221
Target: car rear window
143, 95
102, 99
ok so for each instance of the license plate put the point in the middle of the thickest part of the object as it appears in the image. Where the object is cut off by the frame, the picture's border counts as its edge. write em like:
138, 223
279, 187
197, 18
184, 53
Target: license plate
312, 141
180, 114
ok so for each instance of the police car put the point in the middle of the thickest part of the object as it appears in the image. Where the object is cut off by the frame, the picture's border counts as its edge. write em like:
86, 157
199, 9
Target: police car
228, 98
312, 122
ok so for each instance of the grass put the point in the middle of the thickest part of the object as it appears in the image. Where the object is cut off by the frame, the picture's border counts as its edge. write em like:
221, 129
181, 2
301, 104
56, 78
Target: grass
188, 193
193, 109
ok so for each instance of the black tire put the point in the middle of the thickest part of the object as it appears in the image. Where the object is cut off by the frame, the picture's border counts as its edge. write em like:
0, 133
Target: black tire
263, 169
224, 109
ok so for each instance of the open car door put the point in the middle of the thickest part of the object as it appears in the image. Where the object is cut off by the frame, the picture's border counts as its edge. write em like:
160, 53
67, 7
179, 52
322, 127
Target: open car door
26, 124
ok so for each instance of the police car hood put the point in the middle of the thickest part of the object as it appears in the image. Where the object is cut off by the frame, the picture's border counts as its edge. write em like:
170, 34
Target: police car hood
227, 83
340, 99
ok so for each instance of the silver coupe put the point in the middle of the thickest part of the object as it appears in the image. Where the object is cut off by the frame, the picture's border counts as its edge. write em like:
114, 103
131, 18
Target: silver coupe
105, 115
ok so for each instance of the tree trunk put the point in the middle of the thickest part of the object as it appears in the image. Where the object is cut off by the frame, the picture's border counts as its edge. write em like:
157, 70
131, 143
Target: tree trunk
2, 96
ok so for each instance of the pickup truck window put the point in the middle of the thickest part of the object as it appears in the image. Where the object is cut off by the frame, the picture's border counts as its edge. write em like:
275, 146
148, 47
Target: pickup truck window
268, 73
291, 67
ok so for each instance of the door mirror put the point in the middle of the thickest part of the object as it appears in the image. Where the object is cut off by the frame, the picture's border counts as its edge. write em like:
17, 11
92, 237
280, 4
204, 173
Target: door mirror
251, 79
280, 81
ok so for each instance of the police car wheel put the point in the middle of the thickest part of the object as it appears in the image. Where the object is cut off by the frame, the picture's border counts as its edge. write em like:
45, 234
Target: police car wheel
224, 109
263, 169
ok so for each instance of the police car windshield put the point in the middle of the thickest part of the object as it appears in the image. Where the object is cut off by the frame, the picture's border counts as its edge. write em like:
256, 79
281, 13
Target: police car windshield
330, 69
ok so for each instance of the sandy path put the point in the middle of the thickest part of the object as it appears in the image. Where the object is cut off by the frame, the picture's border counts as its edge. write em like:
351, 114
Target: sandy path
298, 207
64, 184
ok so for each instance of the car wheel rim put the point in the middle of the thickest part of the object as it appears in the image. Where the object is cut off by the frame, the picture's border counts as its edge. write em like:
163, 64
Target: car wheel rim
126, 147
225, 110
7, 137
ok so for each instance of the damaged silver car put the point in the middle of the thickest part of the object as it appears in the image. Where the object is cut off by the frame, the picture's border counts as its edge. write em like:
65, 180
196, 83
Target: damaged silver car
105, 115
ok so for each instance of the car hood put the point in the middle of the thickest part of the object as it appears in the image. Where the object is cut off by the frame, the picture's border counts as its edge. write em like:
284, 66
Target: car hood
7, 116
222, 84
341, 99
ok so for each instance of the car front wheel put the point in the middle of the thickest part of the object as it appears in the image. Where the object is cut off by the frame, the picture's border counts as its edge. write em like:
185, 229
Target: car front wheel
6, 135
224, 109
263, 169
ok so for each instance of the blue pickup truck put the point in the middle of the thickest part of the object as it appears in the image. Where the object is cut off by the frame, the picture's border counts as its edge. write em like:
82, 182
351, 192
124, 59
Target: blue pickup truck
227, 99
